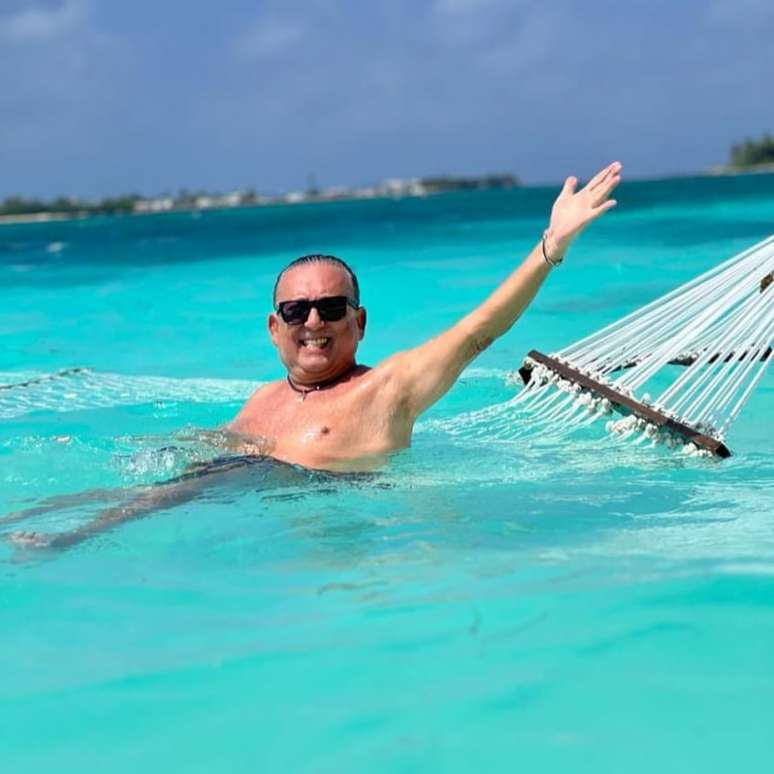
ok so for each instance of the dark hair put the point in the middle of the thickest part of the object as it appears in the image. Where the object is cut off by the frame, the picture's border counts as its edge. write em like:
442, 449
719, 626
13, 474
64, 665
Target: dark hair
317, 258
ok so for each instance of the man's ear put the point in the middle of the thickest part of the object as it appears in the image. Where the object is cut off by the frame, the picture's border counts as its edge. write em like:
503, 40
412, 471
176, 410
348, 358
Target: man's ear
362, 318
273, 325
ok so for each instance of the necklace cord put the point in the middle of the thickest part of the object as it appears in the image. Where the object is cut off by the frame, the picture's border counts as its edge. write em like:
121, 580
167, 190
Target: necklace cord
321, 385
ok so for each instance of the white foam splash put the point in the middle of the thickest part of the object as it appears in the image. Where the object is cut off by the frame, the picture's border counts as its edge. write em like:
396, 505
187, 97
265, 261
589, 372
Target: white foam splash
487, 373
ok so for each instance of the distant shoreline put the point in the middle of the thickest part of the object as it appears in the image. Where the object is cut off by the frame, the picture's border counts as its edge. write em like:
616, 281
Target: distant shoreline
52, 217
727, 170
39, 217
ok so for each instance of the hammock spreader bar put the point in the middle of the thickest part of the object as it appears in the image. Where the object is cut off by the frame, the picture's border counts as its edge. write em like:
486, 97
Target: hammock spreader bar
719, 326
623, 403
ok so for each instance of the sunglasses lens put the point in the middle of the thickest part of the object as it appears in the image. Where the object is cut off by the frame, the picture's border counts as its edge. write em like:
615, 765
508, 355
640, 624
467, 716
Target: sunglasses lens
332, 309
295, 312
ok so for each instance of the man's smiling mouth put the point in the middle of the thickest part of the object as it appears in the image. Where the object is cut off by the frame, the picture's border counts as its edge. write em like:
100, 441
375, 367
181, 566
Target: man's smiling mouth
317, 343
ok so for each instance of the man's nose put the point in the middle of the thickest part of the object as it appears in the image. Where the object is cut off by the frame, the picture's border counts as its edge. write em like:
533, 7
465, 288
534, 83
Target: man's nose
314, 320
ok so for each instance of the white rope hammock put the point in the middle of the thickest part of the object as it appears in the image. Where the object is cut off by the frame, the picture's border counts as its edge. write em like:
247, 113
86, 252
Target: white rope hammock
78, 389
719, 327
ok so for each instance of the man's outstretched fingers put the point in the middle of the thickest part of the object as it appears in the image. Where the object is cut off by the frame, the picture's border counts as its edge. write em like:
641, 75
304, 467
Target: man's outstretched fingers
603, 191
569, 186
604, 207
610, 184
600, 177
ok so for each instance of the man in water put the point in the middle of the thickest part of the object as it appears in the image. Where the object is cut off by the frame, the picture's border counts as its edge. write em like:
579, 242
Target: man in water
329, 413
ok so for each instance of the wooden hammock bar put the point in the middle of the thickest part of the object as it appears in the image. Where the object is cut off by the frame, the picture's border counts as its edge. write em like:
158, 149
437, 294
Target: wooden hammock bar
625, 404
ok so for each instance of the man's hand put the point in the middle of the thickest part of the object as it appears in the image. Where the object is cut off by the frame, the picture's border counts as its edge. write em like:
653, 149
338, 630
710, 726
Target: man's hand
573, 211
425, 373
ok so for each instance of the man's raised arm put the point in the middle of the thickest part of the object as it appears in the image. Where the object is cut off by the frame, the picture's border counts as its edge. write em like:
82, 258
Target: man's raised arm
428, 371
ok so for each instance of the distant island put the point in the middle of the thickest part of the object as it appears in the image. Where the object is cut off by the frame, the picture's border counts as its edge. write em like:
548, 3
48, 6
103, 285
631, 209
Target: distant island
16, 209
751, 153
750, 156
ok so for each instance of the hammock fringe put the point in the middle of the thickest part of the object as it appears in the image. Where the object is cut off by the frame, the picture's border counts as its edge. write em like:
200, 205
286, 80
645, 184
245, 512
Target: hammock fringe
719, 326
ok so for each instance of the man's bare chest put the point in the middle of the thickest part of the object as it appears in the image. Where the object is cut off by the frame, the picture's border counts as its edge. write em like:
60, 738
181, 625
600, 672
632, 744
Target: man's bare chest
314, 418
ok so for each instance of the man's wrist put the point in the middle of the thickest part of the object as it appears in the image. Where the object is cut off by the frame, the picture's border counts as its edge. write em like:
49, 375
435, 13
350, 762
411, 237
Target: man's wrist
553, 249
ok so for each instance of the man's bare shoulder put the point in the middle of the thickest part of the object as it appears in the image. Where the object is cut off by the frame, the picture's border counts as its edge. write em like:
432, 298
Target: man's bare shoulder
392, 373
390, 379
265, 394
267, 390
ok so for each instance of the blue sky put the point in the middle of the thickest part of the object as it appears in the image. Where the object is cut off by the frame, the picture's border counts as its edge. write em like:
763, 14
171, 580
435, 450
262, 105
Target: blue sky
100, 97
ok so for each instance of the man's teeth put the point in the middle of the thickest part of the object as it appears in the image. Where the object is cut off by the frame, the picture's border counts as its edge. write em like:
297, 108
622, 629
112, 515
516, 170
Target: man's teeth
318, 343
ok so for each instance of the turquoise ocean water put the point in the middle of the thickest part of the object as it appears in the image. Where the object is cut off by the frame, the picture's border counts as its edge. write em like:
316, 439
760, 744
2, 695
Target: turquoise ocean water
492, 600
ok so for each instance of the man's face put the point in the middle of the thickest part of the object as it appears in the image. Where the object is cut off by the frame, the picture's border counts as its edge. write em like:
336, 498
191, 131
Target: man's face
316, 350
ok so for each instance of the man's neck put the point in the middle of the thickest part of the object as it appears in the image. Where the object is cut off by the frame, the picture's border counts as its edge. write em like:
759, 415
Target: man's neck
321, 384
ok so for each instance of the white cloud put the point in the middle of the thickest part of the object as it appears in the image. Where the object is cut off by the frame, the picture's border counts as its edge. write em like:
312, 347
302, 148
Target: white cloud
60, 79
268, 37
33, 23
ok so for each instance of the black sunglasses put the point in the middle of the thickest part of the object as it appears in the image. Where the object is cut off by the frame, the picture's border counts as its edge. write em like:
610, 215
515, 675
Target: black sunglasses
330, 309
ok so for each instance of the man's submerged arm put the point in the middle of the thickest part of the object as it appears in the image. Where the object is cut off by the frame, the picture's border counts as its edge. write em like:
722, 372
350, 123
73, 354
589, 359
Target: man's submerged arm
427, 372
146, 501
